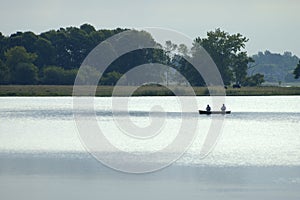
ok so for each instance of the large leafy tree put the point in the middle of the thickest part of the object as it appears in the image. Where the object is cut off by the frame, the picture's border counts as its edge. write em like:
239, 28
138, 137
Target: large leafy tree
228, 53
297, 71
21, 67
17, 55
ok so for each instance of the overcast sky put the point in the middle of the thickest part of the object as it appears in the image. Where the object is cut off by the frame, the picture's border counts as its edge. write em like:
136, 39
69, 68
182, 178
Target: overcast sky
269, 24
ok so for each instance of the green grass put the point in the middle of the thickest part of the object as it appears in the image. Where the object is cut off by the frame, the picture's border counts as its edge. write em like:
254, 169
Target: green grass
61, 90
263, 91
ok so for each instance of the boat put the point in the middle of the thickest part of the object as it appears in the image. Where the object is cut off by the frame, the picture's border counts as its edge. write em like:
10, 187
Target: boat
213, 112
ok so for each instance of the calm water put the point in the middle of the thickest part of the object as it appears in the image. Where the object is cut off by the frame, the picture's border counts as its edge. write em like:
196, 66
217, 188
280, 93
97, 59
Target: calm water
257, 153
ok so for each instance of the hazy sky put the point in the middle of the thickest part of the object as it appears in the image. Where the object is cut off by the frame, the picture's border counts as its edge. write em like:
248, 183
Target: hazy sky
269, 24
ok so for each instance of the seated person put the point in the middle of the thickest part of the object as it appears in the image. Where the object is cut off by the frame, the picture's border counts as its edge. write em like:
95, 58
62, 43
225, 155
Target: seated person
208, 108
223, 108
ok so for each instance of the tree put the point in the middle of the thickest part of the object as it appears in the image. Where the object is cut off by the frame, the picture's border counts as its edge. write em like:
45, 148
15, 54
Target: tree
255, 80
66, 47
87, 28
3, 40
110, 78
26, 39
69, 76
228, 53
45, 52
78, 46
274, 66
25, 74
19, 61
17, 55
58, 39
87, 75
53, 75
297, 71
4, 73
140, 56
73, 44
239, 67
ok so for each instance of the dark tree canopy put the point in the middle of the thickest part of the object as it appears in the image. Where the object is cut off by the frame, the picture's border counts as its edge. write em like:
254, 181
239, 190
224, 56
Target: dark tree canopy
297, 71
25, 74
21, 67
64, 48
4, 73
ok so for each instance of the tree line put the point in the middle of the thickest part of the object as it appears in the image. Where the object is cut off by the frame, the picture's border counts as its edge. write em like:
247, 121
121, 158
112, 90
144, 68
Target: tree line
53, 57
275, 67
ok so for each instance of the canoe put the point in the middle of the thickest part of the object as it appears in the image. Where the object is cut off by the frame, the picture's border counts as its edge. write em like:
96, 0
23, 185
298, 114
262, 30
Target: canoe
213, 112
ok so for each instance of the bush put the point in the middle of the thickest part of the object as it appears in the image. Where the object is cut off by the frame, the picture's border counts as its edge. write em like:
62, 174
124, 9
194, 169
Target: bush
53, 75
25, 73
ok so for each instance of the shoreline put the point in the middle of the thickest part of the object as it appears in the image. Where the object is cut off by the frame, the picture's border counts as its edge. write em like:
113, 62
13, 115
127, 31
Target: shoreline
149, 90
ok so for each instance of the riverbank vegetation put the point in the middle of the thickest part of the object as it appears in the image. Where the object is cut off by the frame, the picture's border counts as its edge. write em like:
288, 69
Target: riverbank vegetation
150, 90
276, 68
54, 57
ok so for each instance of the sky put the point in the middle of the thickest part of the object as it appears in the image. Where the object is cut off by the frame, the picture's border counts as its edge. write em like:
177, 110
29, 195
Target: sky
269, 24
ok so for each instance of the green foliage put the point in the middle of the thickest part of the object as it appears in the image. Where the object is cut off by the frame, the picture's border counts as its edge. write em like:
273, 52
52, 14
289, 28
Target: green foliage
21, 67
72, 45
227, 52
66, 47
2, 46
87, 28
58, 76
136, 58
110, 78
152, 90
45, 52
17, 55
26, 40
69, 76
255, 80
53, 75
188, 71
4, 73
297, 71
25, 74
275, 67
87, 75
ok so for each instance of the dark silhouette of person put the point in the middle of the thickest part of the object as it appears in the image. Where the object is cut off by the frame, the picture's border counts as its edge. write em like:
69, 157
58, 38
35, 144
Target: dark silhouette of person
223, 108
208, 108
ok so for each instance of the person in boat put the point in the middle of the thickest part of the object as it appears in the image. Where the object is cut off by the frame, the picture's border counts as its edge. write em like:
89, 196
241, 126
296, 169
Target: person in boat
208, 108
223, 108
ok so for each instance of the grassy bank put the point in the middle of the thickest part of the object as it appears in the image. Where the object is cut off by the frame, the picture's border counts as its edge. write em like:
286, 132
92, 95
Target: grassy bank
61, 90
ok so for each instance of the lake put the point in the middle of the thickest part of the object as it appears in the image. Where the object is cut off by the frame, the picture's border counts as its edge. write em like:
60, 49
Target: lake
256, 156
